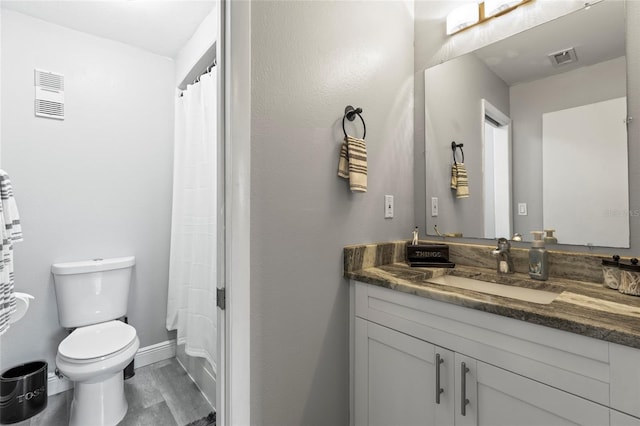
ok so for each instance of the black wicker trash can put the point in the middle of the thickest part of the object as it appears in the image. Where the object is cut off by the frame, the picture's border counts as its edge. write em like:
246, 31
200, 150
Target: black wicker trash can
23, 392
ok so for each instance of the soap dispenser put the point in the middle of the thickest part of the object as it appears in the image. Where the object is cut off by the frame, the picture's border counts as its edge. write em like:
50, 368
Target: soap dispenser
550, 238
538, 263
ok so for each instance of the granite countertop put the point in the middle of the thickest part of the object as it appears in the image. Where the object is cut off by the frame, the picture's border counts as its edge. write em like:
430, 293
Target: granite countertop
585, 308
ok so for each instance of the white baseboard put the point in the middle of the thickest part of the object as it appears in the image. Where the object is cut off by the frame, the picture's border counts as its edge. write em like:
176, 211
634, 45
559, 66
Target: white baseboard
155, 353
57, 384
145, 356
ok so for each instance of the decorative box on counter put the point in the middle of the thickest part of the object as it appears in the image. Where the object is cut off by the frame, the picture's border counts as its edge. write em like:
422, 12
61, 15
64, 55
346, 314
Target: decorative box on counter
611, 272
630, 278
429, 255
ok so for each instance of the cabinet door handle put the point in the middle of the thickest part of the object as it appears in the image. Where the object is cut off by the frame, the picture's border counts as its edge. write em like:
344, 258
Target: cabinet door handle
439, 390
463, 390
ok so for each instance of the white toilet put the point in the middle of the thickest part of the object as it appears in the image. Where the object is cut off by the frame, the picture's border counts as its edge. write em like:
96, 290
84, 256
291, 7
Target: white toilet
91, 296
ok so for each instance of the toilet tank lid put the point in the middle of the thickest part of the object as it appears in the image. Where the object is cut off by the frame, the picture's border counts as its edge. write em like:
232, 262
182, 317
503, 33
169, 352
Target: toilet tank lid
95, 265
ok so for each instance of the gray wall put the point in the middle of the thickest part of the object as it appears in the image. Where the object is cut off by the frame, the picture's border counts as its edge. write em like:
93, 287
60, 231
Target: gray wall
528, 102
309, 60
97, 184
455, 90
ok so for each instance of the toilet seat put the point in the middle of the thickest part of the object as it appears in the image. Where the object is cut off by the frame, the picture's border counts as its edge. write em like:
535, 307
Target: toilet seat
97, 341
98, 396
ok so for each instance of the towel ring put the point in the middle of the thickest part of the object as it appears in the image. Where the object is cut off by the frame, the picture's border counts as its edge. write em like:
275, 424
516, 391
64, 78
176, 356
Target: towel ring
455, 146
350, 114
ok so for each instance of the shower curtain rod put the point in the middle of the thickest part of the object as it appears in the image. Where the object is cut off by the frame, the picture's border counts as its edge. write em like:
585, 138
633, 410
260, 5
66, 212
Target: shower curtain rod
206, 71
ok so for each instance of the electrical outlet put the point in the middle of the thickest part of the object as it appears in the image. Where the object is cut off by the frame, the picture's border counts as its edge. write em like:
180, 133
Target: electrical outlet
388, 206
434, 206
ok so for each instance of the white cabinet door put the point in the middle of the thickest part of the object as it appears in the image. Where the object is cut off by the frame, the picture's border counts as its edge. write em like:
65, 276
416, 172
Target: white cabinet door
501, 398
625, 379
395, 379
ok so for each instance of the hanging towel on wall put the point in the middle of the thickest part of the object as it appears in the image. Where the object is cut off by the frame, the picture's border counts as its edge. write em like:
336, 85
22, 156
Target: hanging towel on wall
11, 233
353, 163
459, 180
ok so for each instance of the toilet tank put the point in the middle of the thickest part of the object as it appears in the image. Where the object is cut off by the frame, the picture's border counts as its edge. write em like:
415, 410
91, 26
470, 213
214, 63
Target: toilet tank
92, 291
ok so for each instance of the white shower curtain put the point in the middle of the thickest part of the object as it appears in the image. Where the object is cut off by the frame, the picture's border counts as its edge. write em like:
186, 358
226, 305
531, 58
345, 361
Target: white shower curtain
191, 304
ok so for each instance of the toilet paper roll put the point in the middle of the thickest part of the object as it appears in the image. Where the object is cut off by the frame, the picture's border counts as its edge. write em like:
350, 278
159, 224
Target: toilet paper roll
22, 304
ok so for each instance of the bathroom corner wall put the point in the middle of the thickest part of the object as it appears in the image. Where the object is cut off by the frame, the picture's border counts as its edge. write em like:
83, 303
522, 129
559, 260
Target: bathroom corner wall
97, 184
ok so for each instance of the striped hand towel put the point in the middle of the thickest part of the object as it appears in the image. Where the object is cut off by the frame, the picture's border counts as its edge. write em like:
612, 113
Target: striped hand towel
11, 232
353, 163
454, 176
459, 180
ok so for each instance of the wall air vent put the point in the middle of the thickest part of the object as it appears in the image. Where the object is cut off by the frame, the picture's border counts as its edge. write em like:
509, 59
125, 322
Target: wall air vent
49, 94
563, 57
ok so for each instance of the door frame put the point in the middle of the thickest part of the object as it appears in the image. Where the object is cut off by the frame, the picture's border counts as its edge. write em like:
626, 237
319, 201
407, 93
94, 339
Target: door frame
233, 393
487, 109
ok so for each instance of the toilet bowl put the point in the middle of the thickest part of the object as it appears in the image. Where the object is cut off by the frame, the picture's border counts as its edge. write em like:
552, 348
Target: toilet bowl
93, 357
92, 296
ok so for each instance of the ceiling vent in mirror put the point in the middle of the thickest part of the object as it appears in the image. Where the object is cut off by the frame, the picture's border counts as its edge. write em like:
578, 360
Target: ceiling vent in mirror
49, 94
563, 57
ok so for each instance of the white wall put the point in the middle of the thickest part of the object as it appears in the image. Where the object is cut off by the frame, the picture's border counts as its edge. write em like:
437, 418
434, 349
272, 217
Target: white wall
97, 184
198, 52
586, 190
528, 102
310, 60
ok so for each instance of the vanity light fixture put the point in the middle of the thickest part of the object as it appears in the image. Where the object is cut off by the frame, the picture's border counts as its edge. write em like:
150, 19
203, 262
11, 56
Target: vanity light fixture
475, 13
462, 17
498, 7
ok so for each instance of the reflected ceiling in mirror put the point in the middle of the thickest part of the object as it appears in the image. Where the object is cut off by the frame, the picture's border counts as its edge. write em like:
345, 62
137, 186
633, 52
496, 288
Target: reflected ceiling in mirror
511, 105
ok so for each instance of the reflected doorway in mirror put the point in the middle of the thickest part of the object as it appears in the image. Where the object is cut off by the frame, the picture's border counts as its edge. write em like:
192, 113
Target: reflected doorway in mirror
496, 171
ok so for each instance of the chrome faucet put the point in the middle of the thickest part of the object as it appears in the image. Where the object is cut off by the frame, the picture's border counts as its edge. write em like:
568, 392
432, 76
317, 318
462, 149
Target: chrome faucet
503, 255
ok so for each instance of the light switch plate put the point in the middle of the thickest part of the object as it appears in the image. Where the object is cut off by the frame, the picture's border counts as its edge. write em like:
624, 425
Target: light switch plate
434, 206
388, 206
522, 209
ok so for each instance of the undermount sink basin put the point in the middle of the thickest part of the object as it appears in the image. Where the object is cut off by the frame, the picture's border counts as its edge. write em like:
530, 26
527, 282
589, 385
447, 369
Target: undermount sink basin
543, 297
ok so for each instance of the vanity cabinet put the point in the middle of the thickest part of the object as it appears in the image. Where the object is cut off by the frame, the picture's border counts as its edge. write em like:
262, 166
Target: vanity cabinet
404, 348
397, 378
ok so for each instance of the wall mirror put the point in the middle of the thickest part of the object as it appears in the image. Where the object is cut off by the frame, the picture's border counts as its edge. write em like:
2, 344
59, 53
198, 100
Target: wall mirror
542, 120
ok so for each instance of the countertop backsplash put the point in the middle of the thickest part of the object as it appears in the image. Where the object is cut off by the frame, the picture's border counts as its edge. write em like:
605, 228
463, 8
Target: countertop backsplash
562, 264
